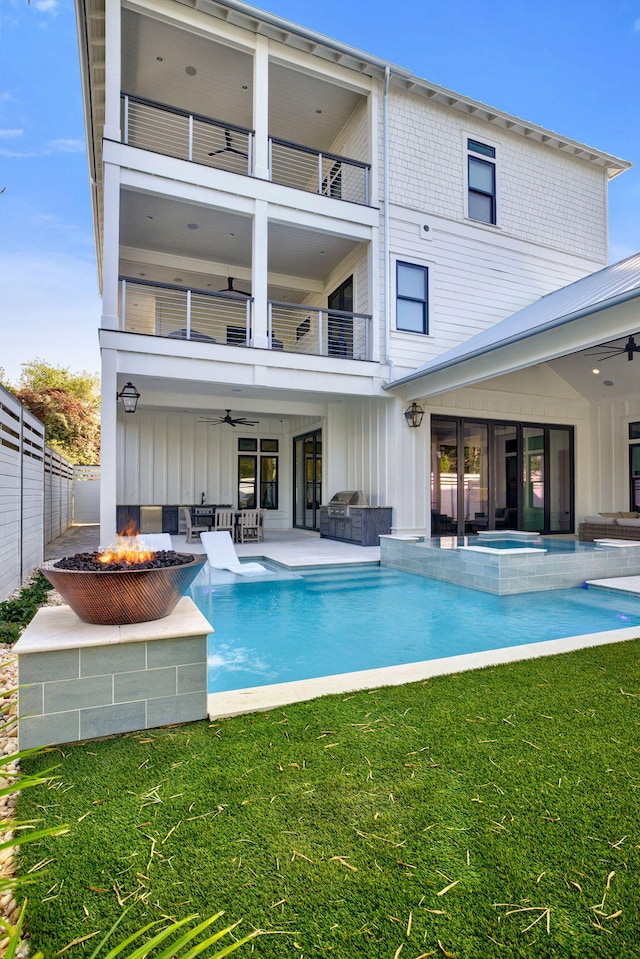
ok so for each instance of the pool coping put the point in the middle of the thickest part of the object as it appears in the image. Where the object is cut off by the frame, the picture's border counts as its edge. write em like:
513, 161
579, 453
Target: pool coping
261, 698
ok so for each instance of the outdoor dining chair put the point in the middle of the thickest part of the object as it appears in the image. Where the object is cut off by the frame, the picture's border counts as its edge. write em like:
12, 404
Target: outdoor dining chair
193, 532
249, 525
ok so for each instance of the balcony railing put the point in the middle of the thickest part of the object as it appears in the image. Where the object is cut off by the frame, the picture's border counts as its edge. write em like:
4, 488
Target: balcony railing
304, 329
187, 136
158, 309
316, 172
227, 146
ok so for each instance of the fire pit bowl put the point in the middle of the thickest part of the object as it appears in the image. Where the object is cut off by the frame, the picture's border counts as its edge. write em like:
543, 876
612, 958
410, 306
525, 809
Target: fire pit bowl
112, 597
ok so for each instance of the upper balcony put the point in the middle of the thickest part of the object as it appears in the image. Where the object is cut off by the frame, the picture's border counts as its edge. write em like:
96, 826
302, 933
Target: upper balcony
203, 316
225, 146
191, 97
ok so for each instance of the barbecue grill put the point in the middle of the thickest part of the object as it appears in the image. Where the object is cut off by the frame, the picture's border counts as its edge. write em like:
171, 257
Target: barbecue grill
340, 504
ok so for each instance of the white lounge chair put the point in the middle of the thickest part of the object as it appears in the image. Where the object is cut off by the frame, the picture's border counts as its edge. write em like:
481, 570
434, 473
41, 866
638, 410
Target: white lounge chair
154, 541
221, 554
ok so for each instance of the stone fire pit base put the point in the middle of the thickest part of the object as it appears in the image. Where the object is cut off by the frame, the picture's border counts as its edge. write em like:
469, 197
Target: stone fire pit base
81, 681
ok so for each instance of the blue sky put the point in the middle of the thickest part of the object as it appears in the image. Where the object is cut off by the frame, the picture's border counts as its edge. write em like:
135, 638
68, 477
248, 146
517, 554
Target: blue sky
571, 66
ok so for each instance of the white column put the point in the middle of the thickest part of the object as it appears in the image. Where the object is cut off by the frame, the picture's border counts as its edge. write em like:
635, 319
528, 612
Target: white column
259, 274
110, 246
112, 70
261, 108
108, 468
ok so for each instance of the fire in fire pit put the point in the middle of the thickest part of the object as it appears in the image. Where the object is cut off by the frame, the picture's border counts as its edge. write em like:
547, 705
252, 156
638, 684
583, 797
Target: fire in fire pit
128, 583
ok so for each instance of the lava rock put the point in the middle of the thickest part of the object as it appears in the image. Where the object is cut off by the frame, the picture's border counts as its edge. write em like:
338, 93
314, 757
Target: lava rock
90, 562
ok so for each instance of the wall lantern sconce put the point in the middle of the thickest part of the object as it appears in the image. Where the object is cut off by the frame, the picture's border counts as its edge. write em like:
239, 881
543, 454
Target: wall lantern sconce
413, 415
129, 396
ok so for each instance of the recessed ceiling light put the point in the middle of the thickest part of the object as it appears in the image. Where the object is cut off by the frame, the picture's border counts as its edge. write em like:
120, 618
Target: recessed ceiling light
209, 285
143, 274
177, 279
595, 370
231, 233
160, 59
322, 253
608, 382
149, 217
192, 226
318, 112
244, 86
190, 71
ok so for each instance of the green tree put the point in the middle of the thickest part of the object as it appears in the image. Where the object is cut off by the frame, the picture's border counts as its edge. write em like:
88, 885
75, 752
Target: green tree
68, 404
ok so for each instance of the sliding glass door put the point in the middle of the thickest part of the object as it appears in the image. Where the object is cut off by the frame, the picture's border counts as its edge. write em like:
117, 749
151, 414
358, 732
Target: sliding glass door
492, 475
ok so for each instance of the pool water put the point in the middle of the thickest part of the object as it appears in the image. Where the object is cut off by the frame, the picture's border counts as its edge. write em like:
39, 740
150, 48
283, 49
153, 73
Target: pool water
339, 620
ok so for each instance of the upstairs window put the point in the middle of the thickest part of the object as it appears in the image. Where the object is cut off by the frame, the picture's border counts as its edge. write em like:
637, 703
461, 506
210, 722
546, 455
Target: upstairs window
481, 177
412, 298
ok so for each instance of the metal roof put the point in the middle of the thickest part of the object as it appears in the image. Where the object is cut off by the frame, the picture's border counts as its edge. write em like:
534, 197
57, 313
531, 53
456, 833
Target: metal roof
608, 287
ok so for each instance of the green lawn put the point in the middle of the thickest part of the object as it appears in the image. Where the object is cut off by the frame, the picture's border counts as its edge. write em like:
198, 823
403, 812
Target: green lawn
490, 813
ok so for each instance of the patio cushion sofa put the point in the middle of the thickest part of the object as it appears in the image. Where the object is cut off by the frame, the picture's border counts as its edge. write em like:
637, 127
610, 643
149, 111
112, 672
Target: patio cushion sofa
618, 525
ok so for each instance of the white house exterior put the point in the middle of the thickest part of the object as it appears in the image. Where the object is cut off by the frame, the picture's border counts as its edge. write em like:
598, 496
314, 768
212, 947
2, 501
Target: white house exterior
376, 222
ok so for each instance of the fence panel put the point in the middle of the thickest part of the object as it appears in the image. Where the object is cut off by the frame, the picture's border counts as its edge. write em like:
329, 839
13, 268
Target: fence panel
86, 494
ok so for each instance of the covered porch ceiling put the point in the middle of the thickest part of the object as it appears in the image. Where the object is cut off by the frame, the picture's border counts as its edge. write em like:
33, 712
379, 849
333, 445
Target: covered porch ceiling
184, 69
166, 240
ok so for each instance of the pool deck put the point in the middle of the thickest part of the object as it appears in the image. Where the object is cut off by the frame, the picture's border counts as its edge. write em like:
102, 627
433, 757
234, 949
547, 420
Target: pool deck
293, 548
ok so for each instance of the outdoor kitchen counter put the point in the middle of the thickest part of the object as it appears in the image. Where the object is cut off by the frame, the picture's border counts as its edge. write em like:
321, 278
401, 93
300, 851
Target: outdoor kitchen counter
362, 525
79, 681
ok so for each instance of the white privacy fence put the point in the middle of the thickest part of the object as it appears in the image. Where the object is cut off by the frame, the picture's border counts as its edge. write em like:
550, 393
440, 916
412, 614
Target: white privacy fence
86, 494
36, 493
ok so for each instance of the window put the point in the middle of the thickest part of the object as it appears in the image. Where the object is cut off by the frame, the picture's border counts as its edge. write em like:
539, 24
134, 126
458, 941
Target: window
257, 476
412, 295
481, 173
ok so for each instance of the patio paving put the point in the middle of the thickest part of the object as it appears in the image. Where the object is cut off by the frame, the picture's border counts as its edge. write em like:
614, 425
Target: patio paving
289, 547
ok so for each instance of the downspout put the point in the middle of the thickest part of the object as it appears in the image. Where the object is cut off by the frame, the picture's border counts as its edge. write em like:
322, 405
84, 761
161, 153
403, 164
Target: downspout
385, 204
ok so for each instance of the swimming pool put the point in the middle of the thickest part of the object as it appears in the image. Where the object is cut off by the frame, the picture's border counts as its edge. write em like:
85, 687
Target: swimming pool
326, 622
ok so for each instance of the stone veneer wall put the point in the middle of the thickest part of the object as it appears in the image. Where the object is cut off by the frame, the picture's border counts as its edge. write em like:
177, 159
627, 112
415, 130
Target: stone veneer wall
509, 573
80, 681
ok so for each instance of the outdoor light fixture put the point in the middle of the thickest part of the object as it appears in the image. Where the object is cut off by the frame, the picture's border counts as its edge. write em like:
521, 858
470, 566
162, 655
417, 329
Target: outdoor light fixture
129, 396
413, 415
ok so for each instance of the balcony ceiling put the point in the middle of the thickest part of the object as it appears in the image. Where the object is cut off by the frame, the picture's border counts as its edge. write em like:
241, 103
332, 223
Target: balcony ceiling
158, 63
162, 231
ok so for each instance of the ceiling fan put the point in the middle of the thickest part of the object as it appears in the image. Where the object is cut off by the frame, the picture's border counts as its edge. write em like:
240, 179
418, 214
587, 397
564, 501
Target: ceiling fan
229, 420
605, 351
228, 147
230, 289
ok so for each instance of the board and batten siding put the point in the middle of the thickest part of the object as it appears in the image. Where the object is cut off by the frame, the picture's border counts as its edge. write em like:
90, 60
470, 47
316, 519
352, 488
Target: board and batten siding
172, 459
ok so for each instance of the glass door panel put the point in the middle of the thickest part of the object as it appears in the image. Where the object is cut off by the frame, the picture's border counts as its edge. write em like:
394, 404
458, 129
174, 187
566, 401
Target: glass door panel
476, 477
444, 477
533, 479
505, 476
307, 480
560, 486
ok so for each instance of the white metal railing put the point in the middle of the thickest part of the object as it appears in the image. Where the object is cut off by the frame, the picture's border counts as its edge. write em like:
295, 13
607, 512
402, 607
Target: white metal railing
188, 136
326, 173
159, 309
304, 329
